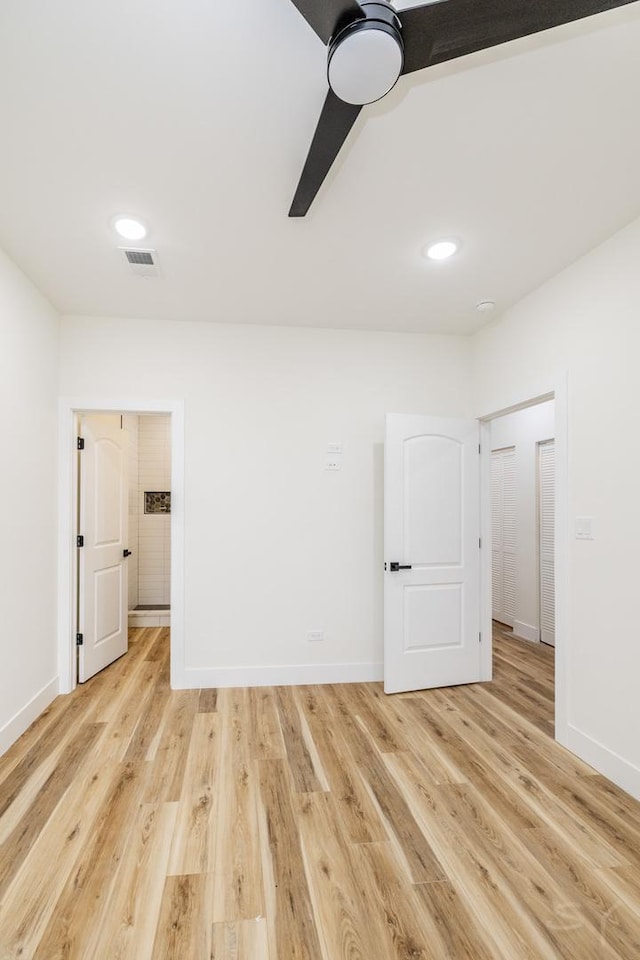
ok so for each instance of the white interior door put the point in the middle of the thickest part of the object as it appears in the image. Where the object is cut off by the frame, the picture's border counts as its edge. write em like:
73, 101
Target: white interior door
503, 534
432, 556
546, 500
103, 526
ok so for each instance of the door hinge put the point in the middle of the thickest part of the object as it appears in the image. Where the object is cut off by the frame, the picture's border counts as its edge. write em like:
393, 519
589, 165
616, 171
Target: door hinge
480, 542
80, 443
80, 541
480, 638
79, 639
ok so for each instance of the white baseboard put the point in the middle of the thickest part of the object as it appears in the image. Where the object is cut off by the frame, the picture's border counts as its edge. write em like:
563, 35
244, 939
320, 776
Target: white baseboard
19, 722
605, 761
286, 675
507, 621
525, 631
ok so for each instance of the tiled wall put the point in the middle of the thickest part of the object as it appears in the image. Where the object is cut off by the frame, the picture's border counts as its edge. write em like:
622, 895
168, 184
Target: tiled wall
149, 534
130, 423
154, 535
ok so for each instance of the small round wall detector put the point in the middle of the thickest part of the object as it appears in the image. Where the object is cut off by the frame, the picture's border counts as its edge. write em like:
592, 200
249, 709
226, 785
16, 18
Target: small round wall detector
485, 306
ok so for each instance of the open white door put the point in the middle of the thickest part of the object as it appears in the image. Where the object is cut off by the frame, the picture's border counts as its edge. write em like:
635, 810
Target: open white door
432, 555
103, 527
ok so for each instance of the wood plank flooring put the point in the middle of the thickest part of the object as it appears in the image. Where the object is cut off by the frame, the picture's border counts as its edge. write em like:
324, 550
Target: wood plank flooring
312, 823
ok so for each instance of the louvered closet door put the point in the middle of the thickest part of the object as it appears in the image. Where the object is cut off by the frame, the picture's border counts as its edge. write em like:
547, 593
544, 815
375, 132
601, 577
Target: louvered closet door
503, 516
546, 494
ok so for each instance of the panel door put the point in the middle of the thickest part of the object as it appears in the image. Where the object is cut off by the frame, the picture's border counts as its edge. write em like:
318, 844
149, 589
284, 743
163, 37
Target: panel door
432, 557
103, 524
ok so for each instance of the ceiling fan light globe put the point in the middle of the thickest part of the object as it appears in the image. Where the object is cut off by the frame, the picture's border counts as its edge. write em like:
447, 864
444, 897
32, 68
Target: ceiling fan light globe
364, 64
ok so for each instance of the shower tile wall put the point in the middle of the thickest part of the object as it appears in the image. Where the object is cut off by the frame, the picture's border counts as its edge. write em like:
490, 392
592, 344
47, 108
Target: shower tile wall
130, 423
154, 530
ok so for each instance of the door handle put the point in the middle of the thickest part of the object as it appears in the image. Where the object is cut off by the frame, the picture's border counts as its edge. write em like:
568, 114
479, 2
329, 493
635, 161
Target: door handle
394, 566
126, 553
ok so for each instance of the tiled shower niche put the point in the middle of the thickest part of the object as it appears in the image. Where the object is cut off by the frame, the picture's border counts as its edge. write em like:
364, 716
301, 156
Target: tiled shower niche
156, 501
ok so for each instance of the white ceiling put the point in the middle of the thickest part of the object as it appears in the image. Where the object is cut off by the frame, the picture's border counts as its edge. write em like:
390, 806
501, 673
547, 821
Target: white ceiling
198, 116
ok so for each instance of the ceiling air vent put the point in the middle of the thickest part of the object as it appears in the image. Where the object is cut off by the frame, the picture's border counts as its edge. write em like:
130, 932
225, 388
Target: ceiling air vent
143, 263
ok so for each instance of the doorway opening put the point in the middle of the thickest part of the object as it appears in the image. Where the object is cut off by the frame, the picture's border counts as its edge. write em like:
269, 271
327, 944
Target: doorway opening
524, 519
123, 534
143, 585
149, 519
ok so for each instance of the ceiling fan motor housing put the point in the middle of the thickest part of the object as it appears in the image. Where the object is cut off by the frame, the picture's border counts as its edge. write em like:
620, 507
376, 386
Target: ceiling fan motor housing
366, 56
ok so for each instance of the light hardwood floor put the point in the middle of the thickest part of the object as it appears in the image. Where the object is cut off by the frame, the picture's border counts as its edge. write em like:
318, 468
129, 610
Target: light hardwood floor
315, 823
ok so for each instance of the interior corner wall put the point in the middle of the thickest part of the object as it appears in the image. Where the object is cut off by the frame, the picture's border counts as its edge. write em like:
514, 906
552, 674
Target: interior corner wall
29, 340
523, 430
583, 325
275, 545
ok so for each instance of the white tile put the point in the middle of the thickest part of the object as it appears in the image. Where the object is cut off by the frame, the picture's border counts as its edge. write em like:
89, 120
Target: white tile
151, 551
142, 619
150, 598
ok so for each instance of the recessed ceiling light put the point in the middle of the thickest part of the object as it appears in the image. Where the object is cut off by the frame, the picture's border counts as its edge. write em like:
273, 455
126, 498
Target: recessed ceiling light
485, 306
130, 228
441, 249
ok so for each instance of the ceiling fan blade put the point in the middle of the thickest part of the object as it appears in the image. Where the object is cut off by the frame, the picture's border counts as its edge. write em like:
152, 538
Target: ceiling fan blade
448, 29
335, 122
324, 16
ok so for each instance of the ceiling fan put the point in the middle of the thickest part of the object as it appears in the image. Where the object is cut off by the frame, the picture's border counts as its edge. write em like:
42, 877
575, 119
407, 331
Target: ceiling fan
370, 45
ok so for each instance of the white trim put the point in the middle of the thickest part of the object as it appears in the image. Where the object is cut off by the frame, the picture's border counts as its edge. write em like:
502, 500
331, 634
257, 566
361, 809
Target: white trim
486, 628
25, 716
557, 391
562, 544
526, 631
605, 761
68, 409
285, 675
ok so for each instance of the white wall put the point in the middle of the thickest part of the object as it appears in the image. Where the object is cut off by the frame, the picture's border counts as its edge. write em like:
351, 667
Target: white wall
275, 545
154, 529
29, 337
524, 430
585, 323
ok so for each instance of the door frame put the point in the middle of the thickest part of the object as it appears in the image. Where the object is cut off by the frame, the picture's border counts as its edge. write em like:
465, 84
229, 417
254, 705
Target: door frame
69, 409
558, 392
539, 445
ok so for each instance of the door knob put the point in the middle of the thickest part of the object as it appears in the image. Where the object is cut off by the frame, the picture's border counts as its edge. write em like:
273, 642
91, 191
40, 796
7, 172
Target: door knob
126, 553
394, 566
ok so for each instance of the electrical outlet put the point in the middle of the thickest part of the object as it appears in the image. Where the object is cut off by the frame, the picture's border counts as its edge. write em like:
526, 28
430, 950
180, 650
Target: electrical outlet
315, 635
333, 461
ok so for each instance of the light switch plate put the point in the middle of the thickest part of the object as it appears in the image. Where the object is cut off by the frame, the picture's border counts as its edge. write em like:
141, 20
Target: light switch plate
584, 528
